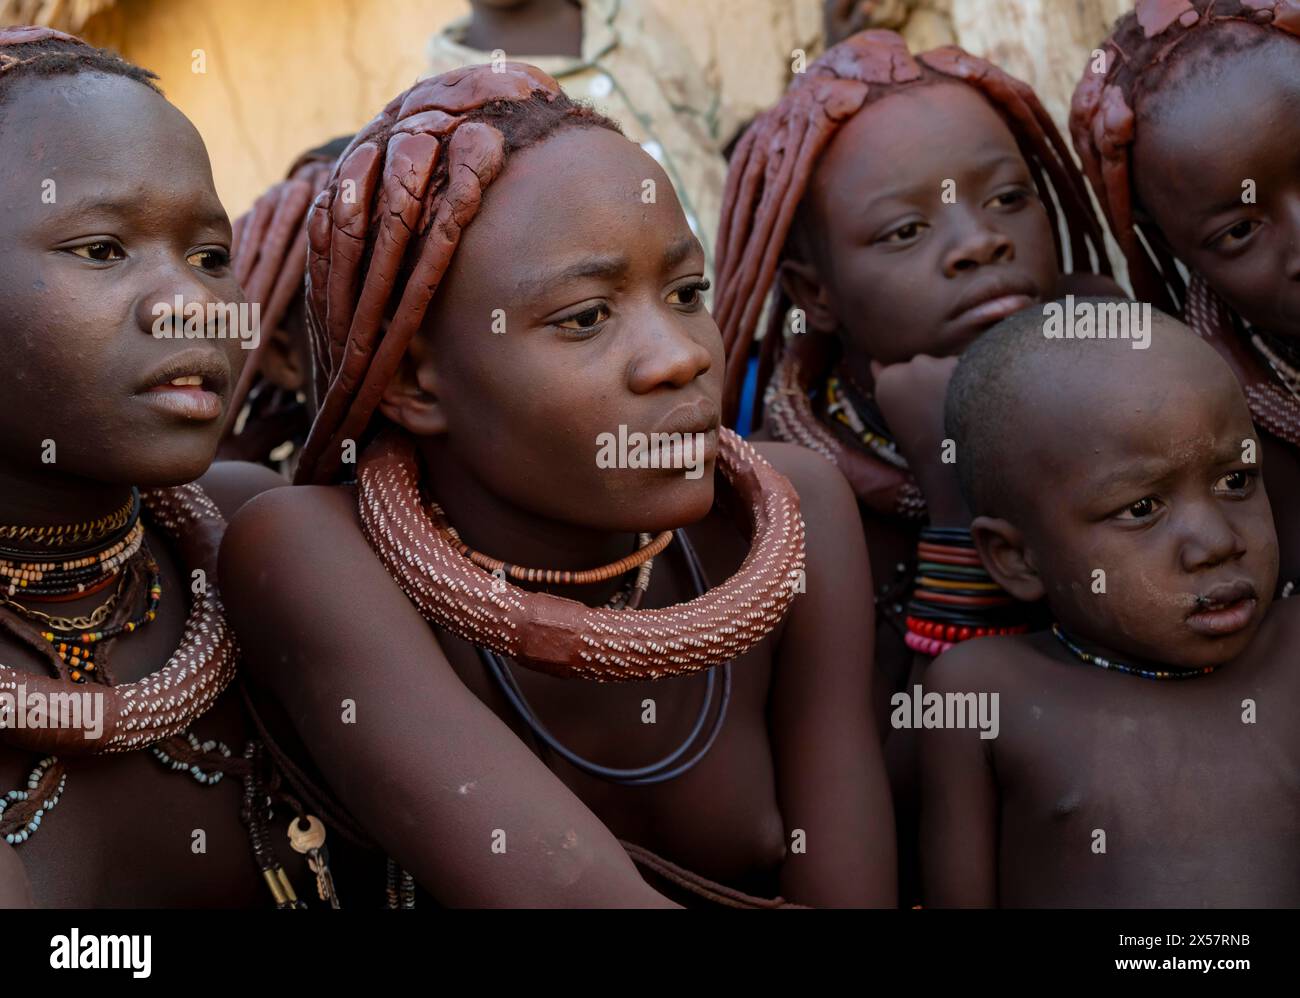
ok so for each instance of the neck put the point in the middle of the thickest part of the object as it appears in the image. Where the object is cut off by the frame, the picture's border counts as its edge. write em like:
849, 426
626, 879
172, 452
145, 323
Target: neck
48, 498
500, 529
540, 27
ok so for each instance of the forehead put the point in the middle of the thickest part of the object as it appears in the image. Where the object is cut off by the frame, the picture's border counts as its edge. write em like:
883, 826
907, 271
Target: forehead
99, 130
583, 190
912, 133
1238, 91
1099, 403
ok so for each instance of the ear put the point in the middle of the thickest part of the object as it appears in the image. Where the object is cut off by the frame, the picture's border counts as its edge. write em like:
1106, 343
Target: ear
804, 287
411, 398
1002, 549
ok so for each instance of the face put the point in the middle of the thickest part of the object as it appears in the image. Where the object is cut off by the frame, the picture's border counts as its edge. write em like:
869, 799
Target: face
1161, 492
922, 244
573, 307
1217, 162
109, 211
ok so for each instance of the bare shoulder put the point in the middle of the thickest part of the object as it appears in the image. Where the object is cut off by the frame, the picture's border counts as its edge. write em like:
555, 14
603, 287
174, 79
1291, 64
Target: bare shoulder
818, 482
280, 530
982, 664
230, 484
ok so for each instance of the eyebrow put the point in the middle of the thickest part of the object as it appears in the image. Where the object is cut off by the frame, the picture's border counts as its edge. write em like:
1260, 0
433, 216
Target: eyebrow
608, 266
128, 207
986, 165
1136, 474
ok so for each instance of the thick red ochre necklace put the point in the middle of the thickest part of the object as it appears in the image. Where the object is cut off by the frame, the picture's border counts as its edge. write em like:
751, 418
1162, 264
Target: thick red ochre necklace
561, 636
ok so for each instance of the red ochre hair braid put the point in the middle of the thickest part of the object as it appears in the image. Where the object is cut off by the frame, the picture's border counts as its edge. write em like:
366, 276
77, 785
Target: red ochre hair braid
382, 233
775, 159
269, 250
1140, 48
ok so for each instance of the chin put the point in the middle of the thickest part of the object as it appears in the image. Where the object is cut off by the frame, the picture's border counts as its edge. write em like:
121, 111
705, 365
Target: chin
676, 502
171, 468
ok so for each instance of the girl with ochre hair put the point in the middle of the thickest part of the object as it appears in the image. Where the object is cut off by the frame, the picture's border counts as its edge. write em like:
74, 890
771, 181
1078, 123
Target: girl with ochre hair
536, 679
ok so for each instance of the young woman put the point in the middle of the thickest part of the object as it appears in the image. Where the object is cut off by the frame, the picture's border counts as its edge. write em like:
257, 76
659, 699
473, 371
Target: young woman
500, 285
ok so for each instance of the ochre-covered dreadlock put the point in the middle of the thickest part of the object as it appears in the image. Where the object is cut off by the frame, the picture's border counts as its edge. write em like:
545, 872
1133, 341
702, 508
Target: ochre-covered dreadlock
1139, 52
32, 51
382, 232
269, 250
774, 161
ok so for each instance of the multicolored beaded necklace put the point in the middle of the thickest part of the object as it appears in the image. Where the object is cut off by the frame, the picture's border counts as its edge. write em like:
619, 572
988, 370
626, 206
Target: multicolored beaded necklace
839, 406
1132, 670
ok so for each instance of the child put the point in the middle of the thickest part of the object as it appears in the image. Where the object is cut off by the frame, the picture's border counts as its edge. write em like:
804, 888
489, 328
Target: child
270, 414
1145, 751
1169, 75
896, 248
481, 326
108, 598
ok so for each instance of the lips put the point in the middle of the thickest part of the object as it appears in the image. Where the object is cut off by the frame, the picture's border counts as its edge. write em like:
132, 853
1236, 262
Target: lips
993, 302
698, 416
1223, 609
190, 385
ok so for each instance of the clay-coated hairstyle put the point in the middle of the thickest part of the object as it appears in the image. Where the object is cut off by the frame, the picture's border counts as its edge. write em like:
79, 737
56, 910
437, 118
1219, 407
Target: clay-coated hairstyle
774, 161
269, 248
382, 232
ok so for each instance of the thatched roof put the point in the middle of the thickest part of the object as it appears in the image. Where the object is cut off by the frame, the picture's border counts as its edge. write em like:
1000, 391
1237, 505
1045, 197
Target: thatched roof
65, 15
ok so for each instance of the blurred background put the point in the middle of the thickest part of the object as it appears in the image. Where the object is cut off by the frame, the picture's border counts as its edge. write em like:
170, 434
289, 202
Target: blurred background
281, 76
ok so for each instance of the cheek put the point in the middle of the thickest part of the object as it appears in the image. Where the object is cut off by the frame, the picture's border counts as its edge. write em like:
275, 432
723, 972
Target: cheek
1032, 232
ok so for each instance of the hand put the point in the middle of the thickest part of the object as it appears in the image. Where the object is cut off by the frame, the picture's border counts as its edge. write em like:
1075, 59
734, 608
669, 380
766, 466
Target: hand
911, 397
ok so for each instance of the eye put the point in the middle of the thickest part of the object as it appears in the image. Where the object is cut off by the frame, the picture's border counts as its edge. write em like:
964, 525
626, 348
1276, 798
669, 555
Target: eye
1012, 198
101, 251
209, 259
589, 318
906, 233
1143, 509
690, 297
1236, 236
1235, 483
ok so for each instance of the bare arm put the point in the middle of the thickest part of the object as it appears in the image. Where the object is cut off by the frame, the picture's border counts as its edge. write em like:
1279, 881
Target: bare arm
831, 782
959, 799
432, 774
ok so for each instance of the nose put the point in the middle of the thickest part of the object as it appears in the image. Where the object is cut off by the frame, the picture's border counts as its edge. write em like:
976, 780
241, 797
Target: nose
172, 290
977, 245
668, 355
1209, 538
